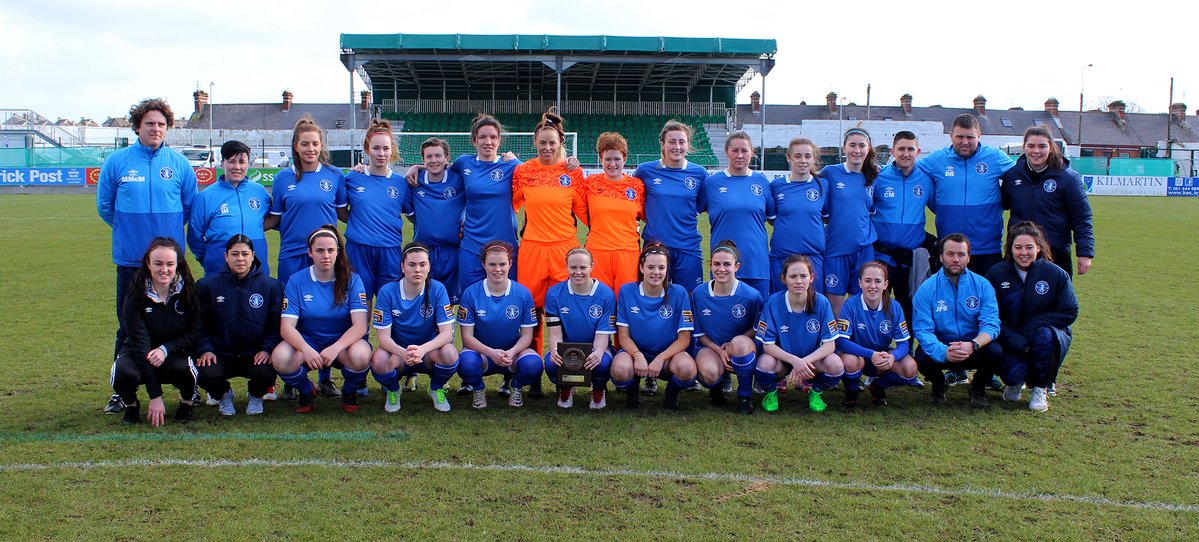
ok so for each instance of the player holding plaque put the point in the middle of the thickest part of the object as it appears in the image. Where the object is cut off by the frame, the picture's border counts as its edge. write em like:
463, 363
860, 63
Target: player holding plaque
579, 313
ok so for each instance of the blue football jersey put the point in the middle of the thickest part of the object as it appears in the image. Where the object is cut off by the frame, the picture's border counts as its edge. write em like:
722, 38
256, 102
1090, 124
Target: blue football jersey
872, 329
310, 302
497, 320
800, 208
438, 209
737, 208
582, 316
654, 322
797, 333
488, 213
850, 204
412, 321
376, 209
672, 204
721, 318
305, 205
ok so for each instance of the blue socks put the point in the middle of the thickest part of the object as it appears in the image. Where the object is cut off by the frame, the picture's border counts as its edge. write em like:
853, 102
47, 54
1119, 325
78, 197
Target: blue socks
890, 379
743, 367
298, 380
853, 381
389, 380
353, 380
767, 381
824, 381
326, 374
441, 374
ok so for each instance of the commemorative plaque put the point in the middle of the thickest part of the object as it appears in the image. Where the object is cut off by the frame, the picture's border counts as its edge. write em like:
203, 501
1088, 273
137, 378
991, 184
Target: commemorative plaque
572, 371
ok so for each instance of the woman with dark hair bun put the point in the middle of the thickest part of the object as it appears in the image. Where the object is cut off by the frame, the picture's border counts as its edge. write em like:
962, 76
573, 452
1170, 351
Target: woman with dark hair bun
324, 323
162, 324
849, 239
241, 306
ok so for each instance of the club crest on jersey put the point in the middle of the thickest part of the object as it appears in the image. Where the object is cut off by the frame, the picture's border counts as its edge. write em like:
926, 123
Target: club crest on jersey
884, 327
166, 173
949, 171
564, 180
812, 194
690, 183
812, 326
942, 306
1050, 185
426, 310
393, 192
870, 191
497, 175
831, 280
738, 311
630, 194
888, 192
178, 309
512, 312
755, 189
918, 191
981, 168
255, 204
595, 311
449, 193
326, 185
1042, 287
256, 301
666, 311
972, 302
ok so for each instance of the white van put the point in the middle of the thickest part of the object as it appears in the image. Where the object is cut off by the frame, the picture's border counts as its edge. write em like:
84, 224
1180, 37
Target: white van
202, 156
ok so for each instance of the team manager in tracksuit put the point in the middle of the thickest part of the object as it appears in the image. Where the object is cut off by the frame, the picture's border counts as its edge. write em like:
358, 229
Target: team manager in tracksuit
966, 191
1042, 189
145, 191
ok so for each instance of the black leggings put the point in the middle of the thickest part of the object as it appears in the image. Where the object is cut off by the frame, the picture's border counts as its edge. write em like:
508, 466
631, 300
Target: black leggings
214, 378
176, 370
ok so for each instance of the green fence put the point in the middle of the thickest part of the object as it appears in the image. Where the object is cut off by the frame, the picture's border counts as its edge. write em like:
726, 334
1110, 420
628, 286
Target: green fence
54, 156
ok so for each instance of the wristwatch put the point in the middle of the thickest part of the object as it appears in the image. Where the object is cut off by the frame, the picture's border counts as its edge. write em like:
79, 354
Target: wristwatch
976, 345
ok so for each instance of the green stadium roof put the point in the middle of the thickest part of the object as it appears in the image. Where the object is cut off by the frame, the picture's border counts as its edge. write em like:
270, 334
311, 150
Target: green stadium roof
615, 68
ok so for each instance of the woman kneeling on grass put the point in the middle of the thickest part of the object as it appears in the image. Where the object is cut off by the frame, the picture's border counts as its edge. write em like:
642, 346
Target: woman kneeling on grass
415, 322
581, 310
241, 307
726, 310
654, 324
162, 322
798, 333
324, 322
870, 323
497, 317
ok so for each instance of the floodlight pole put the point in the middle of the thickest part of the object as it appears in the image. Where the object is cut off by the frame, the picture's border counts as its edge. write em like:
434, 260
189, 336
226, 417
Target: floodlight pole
1082, 81
211, 156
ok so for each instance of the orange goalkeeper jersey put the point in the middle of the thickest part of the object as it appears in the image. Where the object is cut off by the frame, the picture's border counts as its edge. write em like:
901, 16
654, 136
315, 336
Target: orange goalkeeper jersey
614, 207
552, 199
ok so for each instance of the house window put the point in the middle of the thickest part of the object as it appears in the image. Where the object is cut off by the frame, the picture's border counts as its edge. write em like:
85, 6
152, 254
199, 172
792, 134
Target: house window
1007, 123
1038, 122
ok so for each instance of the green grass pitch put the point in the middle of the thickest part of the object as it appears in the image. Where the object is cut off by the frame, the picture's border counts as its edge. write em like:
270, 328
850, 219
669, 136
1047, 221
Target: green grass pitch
1116, 457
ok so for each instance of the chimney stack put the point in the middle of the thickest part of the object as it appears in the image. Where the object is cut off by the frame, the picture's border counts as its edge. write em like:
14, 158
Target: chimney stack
200, 98
905, 102
755, 102
980, 105
1051, 106
1116, 107
287, 98
366, 100
830, 100
1179, 111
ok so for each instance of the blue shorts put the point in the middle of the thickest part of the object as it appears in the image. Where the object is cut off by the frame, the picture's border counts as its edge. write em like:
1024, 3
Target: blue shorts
686, 269
776, 272
841, 272
443, 263
376, 266
291, 265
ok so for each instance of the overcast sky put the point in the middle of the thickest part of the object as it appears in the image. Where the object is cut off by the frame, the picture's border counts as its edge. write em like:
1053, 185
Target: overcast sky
94, 59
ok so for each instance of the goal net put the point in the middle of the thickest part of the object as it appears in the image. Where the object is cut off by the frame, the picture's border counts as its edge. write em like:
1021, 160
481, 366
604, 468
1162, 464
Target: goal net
520, 143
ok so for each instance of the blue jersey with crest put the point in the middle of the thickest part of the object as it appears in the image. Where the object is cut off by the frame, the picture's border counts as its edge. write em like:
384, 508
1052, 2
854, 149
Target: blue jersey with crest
654, 322
797, 332
871, 328
800, 208
582, 316
310, 302
737, 208
376, 209
305, 205
721, 318
497, 319
488, 213
672, 204
438, 209
849, 207
412, 321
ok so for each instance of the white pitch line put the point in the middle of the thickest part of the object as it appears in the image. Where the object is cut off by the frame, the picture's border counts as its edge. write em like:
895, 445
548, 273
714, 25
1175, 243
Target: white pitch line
535, 469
